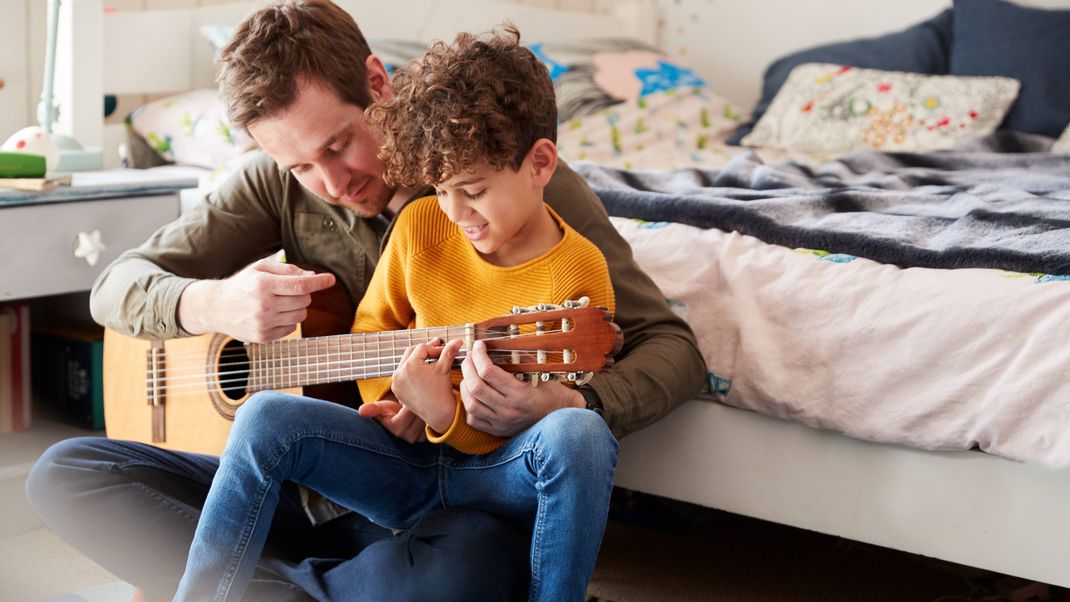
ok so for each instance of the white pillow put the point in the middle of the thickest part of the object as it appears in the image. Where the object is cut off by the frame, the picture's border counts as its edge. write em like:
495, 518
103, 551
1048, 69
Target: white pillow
825, 108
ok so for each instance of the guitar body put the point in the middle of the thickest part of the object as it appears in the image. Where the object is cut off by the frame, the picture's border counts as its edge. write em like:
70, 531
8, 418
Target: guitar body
193, 423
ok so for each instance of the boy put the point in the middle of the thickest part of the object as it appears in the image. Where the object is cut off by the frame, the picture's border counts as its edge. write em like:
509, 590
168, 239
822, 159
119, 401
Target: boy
477, 120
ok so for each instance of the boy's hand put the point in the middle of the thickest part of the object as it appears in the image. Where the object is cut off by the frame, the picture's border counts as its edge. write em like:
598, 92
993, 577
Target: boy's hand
426, 388
499, 404
396, 418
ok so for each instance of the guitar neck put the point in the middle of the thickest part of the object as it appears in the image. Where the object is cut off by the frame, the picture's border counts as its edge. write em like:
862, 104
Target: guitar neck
293, 363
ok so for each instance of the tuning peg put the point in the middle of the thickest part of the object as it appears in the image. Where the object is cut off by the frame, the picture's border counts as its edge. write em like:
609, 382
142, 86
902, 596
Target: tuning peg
529, 377
576, 303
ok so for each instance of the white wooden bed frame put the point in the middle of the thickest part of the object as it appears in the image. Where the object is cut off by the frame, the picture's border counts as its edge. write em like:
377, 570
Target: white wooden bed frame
968, 507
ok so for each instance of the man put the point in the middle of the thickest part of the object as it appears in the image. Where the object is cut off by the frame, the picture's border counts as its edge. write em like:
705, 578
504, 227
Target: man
297, 76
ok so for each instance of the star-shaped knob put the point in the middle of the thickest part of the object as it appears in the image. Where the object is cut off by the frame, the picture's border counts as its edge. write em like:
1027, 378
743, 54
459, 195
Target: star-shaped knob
89, 246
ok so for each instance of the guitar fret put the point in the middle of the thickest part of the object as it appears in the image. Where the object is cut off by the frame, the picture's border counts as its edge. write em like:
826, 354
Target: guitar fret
269, 365
273, 351
320, 344
354, 363
280, 363
251, 353
332, 365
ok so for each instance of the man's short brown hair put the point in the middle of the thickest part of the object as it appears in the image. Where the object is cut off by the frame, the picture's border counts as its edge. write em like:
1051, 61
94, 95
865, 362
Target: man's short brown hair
260, 69
481, 98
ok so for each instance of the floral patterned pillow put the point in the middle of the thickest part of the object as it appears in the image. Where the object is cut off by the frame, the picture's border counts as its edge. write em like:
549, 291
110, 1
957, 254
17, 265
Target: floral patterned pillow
824, 108
191, 128
665, 129
1062, 145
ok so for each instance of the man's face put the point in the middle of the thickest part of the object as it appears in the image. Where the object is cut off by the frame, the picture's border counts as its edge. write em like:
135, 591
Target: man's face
324, 142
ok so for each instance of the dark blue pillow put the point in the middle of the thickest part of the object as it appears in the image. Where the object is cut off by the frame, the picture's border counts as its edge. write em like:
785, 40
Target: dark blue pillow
923, 48
1032, 45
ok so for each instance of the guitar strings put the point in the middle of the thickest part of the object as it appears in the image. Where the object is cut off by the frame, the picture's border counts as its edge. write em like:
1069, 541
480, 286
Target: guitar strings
352, 339
274, 370
270, 377
285, 363
322, 346
268, 366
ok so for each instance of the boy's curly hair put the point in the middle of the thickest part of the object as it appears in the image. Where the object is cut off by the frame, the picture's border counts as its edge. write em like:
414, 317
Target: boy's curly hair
480, 99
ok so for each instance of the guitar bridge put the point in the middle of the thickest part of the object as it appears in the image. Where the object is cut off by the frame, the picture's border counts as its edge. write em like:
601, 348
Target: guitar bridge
156, 390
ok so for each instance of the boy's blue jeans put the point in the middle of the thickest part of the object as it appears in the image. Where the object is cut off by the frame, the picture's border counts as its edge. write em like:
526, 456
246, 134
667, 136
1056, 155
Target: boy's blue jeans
554, 478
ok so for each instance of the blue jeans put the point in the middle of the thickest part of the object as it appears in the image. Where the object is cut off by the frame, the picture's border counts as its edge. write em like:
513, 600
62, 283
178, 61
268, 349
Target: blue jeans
133, 509
553, 479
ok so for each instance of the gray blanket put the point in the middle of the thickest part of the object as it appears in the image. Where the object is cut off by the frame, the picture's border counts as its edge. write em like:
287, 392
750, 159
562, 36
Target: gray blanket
988, 205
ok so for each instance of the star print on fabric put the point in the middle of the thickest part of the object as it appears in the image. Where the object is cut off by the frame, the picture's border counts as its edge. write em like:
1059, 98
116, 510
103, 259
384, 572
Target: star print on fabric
556, 68
667, 77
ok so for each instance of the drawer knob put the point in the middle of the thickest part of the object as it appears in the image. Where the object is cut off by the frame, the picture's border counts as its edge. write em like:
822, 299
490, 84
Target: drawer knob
88, 246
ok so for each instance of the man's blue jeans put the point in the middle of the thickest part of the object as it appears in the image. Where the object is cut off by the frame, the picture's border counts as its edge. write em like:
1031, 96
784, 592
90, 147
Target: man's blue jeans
554, 478
133, 509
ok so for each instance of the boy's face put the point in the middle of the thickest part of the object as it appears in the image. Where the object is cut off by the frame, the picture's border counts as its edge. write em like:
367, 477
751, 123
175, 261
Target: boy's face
501, 212
324, 142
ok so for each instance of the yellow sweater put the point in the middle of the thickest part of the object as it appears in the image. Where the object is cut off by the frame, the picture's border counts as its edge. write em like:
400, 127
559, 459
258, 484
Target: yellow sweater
431, 275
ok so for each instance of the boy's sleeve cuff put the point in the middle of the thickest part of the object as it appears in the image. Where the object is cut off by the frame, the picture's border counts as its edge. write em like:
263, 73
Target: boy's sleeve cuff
458, 420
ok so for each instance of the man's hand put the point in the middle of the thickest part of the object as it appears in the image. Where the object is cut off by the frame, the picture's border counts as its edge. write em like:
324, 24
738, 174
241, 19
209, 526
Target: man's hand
499, 404
427, 388
396, 418
263, 302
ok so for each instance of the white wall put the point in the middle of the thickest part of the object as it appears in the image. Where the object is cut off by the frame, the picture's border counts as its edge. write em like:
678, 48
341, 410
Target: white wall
14, 66
714, 37
22, 53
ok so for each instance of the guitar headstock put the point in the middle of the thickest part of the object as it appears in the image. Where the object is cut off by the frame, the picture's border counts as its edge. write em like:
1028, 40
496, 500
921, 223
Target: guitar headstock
552, 342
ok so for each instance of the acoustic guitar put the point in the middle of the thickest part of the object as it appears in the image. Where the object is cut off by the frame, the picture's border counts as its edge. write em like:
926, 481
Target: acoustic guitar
182, 393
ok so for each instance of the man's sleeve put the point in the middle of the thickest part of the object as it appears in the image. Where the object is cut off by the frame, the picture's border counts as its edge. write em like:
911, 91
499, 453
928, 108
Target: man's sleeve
137, 294
659, 367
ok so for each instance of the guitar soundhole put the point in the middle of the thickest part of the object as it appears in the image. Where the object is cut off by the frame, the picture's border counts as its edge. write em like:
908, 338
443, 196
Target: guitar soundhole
234, 370
229, 374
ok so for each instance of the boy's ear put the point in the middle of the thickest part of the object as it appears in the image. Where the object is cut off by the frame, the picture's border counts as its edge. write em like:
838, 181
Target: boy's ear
543, 159
378, 79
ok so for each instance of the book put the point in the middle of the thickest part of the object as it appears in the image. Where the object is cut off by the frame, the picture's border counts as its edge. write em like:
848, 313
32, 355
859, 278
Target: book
36, 184
114, 183
15, 396
68, 373
7, 328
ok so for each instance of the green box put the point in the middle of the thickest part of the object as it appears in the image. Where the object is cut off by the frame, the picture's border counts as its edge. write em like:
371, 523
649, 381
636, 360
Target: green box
68, 374
21, 165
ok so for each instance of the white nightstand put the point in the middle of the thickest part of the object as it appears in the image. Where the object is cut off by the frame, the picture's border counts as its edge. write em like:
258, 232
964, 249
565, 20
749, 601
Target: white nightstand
105, 211
40, 234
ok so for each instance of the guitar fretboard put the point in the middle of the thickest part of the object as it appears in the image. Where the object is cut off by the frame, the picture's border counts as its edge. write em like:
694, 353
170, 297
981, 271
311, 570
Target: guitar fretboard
293, 363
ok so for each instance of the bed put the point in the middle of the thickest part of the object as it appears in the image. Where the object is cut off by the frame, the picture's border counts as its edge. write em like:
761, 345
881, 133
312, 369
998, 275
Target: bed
771, 436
